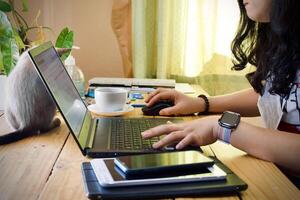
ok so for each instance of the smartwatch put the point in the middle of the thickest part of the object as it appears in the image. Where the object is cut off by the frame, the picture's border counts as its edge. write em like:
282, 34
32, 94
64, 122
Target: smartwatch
228, 122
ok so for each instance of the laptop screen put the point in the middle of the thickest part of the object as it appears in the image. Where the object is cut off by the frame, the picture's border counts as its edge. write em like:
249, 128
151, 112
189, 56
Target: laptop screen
61, 86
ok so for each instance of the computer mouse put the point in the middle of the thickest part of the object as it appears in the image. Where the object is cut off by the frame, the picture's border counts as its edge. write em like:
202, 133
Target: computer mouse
154, 109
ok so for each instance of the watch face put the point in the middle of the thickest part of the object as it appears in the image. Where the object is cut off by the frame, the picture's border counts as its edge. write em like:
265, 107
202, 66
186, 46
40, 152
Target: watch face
230, 119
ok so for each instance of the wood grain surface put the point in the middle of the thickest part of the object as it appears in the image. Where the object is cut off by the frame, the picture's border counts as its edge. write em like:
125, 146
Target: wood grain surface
48, 166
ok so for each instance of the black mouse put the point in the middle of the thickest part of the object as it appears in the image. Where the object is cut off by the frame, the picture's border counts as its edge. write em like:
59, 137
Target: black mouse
154, 109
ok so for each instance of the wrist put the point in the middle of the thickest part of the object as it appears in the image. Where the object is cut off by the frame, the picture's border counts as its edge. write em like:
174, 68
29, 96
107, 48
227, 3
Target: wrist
216, 128
199, 105
205, 105
228, 122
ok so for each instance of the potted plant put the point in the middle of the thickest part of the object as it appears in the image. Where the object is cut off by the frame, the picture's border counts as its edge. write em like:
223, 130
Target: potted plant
14, 40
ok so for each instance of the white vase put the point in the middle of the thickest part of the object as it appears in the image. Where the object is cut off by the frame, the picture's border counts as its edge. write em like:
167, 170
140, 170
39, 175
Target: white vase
3, 80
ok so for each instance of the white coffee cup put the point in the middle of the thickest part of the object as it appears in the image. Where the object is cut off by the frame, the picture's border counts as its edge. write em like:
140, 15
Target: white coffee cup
110, 99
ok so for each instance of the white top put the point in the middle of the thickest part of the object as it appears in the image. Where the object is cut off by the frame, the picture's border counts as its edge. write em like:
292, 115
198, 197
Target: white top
292, 104
275, 109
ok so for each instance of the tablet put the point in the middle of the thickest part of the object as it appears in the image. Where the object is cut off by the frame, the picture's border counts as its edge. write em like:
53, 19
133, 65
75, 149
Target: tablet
108, 176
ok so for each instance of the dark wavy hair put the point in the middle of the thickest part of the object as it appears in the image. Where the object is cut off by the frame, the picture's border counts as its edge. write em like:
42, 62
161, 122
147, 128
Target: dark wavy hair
273, 48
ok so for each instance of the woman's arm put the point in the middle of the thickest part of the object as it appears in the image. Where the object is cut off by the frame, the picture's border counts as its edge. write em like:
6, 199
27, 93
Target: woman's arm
282, 148
243, 102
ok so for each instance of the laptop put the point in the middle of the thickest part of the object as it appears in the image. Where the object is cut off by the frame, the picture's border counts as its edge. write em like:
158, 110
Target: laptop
100, 137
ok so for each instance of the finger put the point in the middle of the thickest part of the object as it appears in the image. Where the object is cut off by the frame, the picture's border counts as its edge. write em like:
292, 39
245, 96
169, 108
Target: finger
185, 142
160, 130
167, 95
171, 138
152, 94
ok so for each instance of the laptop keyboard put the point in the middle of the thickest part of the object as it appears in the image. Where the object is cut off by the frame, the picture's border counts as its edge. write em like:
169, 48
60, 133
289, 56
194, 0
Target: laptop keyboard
126, 133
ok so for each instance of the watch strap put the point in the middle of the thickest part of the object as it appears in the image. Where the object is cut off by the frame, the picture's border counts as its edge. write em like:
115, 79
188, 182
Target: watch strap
224, 134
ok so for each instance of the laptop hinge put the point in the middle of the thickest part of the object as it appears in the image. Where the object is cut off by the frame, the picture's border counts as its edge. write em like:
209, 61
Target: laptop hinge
92, 132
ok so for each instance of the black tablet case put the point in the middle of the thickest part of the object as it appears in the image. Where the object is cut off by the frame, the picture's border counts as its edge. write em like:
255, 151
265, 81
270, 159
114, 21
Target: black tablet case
232, 185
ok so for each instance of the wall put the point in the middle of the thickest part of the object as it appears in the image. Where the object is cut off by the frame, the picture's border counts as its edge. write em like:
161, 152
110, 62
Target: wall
99, 54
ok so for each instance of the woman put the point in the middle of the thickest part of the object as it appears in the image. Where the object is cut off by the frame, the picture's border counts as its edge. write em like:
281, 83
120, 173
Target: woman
268, 38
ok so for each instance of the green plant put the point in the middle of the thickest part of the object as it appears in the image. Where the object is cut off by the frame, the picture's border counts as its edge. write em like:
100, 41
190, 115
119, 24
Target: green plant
65, 40
14, 31
9, 51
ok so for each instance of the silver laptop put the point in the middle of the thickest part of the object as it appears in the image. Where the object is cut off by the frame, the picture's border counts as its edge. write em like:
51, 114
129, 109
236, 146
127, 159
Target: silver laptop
101, 137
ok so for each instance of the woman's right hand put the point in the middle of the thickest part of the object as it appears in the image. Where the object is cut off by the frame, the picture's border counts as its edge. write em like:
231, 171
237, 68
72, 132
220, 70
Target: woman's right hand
183, 104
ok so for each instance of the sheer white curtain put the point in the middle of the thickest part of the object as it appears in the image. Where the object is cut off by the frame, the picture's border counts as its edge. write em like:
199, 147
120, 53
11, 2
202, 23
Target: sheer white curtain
186, 39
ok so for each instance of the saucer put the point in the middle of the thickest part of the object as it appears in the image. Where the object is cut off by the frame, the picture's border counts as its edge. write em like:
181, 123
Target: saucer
127, 108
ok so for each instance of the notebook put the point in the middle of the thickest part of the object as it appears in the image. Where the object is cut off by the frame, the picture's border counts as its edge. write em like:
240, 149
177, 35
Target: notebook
132, 82
101, 137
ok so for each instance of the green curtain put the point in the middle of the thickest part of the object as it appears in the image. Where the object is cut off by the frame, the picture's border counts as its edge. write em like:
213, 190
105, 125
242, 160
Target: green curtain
188, 40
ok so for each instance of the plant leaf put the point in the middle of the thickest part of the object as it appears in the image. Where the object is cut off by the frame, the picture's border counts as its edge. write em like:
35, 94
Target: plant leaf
18, 40
8, 46
5, 26
10, 55
65, 40
4, 6
25, 5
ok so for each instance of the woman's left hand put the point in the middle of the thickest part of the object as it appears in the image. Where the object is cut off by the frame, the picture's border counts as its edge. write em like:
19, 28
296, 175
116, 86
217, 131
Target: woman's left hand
198, 132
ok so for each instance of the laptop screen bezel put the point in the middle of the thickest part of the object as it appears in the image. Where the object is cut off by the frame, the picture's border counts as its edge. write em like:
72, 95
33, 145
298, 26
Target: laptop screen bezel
38, 50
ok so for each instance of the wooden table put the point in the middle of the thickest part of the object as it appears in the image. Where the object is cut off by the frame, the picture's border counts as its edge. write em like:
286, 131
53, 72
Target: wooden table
48, 166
